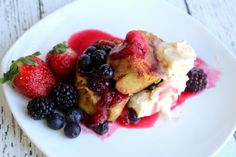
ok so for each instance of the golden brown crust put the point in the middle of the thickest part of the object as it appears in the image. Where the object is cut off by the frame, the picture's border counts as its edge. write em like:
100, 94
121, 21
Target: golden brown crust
134, 73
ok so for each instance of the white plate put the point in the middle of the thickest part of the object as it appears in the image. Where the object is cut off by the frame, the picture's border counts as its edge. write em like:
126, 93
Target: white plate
207, 119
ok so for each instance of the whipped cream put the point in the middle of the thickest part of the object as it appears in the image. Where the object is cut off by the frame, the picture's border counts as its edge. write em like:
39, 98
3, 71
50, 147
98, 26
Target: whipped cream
176, 60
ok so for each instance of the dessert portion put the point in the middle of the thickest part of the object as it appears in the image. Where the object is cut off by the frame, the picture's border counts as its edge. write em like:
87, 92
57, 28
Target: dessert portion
175, 61
97, 95
97, 80
143, 73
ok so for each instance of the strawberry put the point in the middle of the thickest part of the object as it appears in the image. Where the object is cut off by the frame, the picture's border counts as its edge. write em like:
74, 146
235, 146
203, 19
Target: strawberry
62, 62
30, 76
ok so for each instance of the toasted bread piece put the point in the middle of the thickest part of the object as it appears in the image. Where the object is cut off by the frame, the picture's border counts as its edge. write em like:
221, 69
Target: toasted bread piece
115, 110
87, 99
134, 62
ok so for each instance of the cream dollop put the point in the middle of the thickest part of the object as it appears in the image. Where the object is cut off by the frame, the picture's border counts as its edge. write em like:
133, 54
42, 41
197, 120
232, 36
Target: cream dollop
176, 60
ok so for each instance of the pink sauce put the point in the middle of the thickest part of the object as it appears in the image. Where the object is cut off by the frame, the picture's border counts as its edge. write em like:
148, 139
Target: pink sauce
81, 40
212, 77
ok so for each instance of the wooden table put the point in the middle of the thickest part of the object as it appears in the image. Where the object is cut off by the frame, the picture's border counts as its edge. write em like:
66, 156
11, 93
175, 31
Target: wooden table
17, 16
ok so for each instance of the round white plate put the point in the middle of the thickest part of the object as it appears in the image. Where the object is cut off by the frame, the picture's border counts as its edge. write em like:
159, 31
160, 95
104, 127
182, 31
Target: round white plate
207, 120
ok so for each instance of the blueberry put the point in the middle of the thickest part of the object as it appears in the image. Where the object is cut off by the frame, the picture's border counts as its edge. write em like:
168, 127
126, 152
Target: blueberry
72, 130
99, 57
102, 128
105, 71
132, 115
55, 121
74, 116
90, 50
85, 62
106, 48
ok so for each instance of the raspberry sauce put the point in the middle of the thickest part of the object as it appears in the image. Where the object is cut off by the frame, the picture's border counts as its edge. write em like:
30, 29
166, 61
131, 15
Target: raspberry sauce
81, 40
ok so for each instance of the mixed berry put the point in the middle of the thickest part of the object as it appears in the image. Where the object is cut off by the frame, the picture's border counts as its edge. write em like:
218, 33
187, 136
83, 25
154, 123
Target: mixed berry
55, 121
74, 116
101, 128
40, 108
105, 71
58, 109
197, 80
92, 64
132, 116
85, 62
72, 130
64, 96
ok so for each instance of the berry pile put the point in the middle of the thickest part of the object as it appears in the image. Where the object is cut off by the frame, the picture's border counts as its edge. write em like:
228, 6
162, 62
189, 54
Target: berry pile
93, 64
197, 80
58, 105
56, 102
59, 110
94, 59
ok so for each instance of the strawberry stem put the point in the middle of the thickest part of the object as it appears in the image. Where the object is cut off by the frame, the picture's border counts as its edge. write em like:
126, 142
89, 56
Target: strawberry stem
61, 48
9, 76
37, 53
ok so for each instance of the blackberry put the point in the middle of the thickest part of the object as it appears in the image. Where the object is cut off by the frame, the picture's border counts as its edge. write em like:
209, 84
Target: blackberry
40, 108
197, 80
64, 96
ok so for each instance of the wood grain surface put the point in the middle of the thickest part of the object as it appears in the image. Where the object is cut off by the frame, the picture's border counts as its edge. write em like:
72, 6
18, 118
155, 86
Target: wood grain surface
17, 16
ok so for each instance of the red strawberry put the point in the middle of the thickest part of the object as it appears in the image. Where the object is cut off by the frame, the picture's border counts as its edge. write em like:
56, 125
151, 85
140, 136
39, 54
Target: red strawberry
62, 62
30, 76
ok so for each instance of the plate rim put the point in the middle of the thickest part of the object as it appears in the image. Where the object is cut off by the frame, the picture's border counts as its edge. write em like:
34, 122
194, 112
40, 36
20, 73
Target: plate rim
10, 51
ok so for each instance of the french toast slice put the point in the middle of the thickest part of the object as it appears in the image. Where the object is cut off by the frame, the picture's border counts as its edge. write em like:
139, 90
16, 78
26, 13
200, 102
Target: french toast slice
134, 62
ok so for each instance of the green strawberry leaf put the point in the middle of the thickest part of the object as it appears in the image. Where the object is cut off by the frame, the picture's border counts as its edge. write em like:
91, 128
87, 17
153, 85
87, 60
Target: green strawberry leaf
61, 48
10, 75
27, 61
37, 53
14, 68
